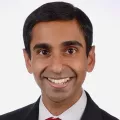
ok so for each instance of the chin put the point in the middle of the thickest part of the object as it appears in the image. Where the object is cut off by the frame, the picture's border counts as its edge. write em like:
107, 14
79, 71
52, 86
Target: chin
58, 99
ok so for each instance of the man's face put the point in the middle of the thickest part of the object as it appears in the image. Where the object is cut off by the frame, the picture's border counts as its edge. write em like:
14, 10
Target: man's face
58, 59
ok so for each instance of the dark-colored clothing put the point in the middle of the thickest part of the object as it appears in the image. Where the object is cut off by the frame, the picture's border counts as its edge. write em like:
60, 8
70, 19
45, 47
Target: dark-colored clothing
30, 112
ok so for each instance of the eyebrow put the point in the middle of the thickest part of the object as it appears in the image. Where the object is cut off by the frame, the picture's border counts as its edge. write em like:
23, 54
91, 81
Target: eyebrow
42, 46
66, 43
73, 42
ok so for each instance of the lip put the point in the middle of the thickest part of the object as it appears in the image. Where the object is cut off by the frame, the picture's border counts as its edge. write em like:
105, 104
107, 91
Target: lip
54, 85
58, 77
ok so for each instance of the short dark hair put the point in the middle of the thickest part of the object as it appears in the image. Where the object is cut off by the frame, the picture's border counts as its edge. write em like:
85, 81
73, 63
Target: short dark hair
54, 11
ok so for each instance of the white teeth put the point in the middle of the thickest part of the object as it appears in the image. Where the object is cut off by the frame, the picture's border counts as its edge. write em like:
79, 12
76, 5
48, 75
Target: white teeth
59, 81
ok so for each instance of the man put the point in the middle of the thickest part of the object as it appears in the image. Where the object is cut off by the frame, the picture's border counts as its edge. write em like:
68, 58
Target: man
58, 52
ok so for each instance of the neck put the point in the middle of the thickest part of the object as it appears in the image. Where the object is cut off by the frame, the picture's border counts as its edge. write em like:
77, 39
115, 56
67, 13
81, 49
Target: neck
57, 108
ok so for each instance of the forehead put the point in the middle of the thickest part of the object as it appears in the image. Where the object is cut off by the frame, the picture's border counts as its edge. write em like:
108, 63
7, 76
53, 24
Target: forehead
56, 32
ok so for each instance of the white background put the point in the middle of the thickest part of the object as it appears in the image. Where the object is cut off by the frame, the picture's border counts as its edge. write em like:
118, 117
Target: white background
18, 88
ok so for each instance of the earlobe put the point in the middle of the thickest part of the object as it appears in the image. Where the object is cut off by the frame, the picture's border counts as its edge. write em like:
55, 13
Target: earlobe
91, 59
27, 61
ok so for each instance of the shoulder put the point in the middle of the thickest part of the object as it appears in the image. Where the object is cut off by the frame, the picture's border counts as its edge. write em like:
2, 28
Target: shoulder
18, 114
107, 116
95, 112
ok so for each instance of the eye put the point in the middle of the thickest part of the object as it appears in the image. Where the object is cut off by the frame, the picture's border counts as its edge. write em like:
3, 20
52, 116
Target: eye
43, 52
71, 51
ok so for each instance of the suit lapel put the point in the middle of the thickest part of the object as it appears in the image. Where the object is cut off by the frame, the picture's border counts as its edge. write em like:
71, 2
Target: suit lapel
33, 112
92, 111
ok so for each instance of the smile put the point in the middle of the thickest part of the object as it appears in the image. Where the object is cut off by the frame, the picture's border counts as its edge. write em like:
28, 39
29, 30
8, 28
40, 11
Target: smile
59, 81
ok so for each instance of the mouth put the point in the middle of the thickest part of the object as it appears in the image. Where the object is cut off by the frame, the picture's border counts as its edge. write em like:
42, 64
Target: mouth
59, 83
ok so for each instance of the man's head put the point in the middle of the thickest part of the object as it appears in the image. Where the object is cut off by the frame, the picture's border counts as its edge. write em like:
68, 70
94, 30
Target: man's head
58, 11
58, 50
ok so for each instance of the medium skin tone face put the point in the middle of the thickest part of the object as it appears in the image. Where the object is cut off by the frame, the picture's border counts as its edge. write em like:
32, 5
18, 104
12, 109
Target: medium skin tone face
59, 63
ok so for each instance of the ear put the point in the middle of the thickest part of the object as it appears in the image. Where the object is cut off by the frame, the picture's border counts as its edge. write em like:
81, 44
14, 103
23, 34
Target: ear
91, 59
27, 61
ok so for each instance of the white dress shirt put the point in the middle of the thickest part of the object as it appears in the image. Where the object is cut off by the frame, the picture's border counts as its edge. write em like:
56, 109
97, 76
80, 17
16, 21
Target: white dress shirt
75, 112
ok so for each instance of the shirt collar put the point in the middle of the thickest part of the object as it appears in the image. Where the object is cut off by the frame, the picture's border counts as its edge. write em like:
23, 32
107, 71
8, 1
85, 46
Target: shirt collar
75, 112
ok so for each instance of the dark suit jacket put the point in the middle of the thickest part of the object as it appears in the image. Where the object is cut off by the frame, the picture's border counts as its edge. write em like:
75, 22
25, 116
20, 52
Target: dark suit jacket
30, 112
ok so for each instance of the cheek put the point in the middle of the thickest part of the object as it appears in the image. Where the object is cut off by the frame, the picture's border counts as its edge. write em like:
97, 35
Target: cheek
37, 67
80, 71
79, 65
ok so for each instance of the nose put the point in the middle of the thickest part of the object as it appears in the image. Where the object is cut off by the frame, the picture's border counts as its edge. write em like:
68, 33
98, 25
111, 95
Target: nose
56, 64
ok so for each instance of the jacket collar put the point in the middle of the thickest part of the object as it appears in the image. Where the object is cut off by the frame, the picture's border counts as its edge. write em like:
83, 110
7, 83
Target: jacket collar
92, 111
33, 113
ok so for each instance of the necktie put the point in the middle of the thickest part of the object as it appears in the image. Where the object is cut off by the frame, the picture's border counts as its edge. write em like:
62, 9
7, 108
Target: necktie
51, 118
